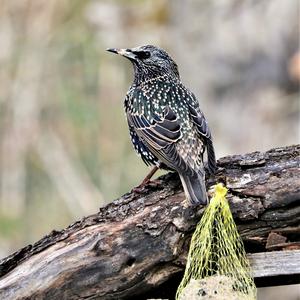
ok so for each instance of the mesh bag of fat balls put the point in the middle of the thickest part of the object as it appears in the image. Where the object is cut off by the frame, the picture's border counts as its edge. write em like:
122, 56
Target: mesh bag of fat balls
217, 266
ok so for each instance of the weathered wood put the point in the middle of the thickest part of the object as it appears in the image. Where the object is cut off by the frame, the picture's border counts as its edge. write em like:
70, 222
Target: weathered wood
137, 245
276, 268
277, 263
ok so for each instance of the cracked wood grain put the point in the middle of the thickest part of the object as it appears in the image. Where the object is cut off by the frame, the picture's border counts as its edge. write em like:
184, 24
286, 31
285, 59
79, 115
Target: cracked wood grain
137, 245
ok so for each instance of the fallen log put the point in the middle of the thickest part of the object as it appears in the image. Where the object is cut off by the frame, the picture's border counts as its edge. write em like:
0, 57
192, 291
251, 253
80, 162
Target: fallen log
136, 246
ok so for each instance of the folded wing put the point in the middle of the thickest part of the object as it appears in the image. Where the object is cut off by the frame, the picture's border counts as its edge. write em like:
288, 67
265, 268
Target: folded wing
161, 136
204, 132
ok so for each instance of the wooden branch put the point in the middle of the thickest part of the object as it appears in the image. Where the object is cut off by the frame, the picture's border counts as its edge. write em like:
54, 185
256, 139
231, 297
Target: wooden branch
287, 263
137, 245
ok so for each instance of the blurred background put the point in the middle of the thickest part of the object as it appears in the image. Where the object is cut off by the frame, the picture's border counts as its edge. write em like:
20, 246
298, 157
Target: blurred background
64, 145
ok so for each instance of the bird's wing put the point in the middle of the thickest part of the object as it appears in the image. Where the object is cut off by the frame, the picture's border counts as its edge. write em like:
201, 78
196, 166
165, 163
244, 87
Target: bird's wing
160, 136
159, 133
203, 130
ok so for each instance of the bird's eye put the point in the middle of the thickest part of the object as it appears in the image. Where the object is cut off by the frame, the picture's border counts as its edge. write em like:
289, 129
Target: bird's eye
142, 54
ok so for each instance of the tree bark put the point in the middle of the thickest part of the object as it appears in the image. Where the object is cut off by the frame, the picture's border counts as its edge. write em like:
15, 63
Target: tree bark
136, 247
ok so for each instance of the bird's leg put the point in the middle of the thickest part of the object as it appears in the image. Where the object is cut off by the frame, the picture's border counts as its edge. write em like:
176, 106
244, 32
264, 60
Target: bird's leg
146, 180
149, 175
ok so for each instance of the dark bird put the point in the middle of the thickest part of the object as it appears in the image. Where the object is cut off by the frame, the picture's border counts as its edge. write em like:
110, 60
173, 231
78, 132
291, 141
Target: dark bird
167, 127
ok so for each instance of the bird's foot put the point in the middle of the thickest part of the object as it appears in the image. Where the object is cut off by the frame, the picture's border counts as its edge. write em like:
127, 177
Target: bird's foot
146, 183
141, 187
154, 183
138, 189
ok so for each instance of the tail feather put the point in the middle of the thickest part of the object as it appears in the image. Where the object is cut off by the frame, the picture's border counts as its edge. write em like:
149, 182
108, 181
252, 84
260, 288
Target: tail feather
194, 188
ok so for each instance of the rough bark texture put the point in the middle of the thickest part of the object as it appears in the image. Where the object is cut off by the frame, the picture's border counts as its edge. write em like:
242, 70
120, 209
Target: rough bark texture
138, 244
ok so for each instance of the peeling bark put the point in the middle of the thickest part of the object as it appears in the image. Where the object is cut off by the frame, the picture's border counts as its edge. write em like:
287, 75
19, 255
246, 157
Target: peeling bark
137, 245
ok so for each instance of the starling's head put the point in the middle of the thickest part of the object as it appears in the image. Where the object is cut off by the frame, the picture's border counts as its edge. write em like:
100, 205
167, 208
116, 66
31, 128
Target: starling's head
149, 62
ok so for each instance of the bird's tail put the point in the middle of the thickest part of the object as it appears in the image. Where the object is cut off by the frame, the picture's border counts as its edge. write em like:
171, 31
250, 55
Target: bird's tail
194, 188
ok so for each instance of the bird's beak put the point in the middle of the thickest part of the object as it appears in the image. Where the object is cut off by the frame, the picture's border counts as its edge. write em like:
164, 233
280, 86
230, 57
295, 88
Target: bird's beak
124, 52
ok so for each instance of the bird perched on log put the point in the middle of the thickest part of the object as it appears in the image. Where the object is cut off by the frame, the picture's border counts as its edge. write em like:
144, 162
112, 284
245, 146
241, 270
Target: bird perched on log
167, 127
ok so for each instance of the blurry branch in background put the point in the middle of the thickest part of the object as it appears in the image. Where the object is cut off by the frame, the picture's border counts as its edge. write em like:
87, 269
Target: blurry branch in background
22, 124
72, 183
23, 131
294, 67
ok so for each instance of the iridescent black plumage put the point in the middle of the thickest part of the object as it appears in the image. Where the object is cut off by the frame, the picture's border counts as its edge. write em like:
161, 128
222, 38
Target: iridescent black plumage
166, 125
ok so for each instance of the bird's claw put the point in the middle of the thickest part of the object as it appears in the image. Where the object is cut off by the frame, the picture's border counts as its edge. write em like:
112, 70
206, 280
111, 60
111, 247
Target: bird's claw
145, 184
154, 183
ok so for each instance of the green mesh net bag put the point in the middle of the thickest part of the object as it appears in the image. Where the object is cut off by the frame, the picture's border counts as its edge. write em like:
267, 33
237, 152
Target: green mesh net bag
217, 266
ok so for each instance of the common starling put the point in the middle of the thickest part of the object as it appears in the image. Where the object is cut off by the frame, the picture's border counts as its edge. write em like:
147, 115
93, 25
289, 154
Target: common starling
167, 127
